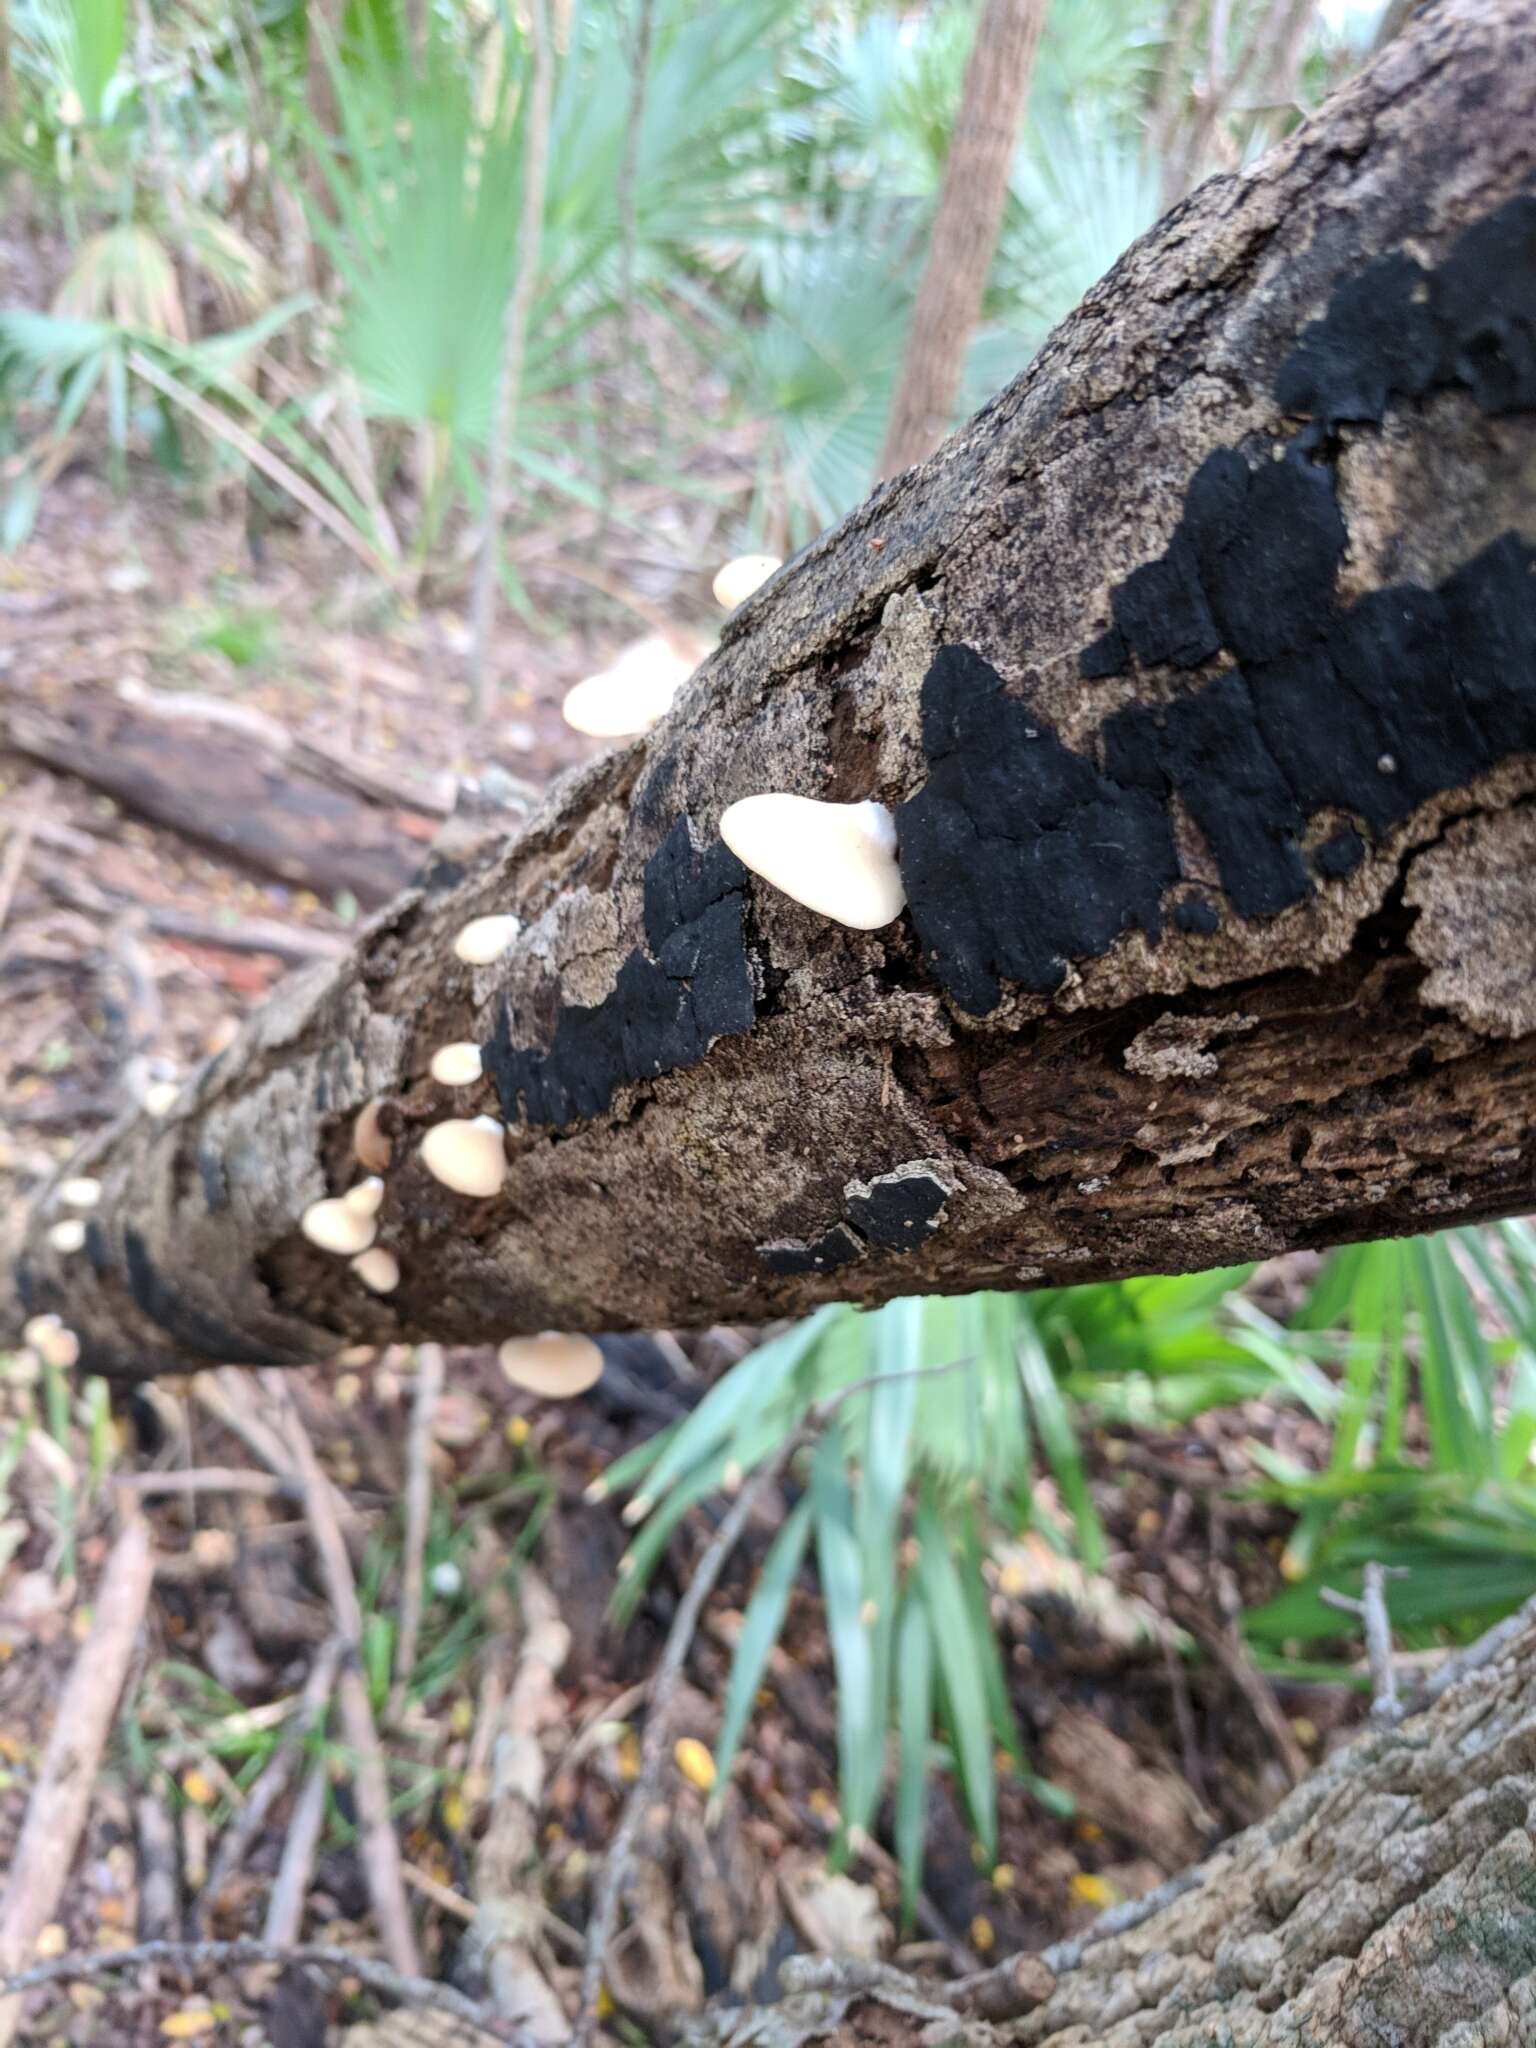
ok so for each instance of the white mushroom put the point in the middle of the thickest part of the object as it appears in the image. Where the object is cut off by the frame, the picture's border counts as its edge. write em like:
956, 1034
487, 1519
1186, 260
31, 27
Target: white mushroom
67, 1236
739, 578
552, 1365
839, 859
378, 1269
466, 1154
367, 1198
370, 1141
634, 693
485, 939
160, 1097
335, 1227
54, 1345
457, 1065
81, 1193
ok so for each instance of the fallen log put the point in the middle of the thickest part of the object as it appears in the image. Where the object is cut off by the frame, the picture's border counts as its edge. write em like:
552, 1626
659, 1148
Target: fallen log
1199, 676
1391, 1898
227, 790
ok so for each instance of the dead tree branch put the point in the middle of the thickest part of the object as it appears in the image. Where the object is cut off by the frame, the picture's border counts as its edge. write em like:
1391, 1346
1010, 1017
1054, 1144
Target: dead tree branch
1198, 676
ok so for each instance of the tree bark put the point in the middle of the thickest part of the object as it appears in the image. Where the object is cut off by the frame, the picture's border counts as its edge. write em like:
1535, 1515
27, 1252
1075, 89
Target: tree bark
1391, 1898
1201, 671
963, 240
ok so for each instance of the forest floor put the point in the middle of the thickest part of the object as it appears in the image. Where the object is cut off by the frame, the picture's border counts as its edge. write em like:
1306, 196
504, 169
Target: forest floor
127, 952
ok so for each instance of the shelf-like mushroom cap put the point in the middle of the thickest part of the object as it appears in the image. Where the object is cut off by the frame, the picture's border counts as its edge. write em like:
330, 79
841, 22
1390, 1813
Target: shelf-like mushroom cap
458, 1065
737, 579
838, 859
335, 1226
632, 694
553, 1365
378, 1269
466, 1154
370, 1141
485, 939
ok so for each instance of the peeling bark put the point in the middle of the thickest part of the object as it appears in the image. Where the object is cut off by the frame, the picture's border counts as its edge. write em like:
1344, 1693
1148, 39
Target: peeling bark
1391, 1899
1200, 671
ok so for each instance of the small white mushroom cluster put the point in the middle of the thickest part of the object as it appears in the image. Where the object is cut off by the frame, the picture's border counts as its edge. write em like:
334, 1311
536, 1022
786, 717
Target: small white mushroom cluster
83, 1191
838, 859
347, 1225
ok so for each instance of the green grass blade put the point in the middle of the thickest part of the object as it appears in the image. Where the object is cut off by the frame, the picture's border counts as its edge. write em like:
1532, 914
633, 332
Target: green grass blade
1454, 1368
1058, 1439
962, 1675
761, 1627
860, 1718
914, 1743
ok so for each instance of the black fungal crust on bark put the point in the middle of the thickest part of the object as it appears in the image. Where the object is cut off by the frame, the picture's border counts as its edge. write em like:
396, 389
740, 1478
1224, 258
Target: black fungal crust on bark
836, 1247
897, 1210
1020, 856
668, 1005
1017, 854
1399, 331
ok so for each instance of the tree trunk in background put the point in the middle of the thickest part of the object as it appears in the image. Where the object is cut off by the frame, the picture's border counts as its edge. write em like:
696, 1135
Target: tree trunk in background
1201, 672
509, 378
1390, 1899
323, 19
7, 70
965, 230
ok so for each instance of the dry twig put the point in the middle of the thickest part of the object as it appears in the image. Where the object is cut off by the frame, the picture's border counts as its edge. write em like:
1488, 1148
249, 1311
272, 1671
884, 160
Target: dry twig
378, 1850
1370, 1610
203, 1479
405, 1988
275, 1776
509, 1906
418, 1516
57, 1808
285, 1906
22, 832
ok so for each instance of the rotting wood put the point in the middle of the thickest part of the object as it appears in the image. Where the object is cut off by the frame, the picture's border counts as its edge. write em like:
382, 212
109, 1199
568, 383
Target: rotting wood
61, 1794
1184, 667
254, 804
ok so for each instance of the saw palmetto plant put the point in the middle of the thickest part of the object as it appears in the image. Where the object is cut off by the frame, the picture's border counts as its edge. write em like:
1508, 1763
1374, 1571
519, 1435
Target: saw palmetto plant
927, 1427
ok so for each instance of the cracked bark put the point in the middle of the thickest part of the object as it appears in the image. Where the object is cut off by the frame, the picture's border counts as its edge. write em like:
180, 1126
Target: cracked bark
1391, 1899
1226, 1085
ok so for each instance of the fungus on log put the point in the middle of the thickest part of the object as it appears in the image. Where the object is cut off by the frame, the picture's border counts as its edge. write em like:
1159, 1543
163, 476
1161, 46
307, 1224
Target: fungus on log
1199, 676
